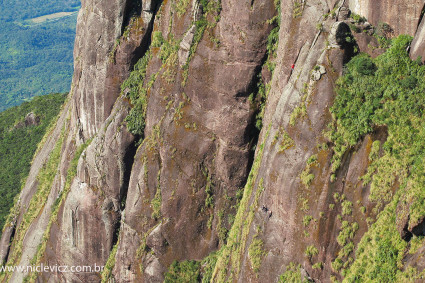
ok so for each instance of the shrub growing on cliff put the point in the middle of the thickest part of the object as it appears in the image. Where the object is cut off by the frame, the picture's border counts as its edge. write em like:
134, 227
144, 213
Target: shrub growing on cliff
157, 200
292, 274
256, 253
207, 267
110, 263
183, 272
134, 89
311, 251
409, 82
357, 18
366, 93
363, 65
386, 92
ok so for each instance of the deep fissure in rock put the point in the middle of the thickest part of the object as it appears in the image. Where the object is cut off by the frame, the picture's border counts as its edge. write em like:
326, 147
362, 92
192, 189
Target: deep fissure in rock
133, 8
12, 236
128, 164
420, 18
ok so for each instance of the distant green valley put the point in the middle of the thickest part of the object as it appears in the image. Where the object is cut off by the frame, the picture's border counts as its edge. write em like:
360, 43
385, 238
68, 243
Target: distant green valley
36, 48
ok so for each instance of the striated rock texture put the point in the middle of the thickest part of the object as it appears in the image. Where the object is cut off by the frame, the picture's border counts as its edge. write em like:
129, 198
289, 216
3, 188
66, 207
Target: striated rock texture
308, 215
68, 211
198, 146
102, 61
402, 16
418, 45
207, 75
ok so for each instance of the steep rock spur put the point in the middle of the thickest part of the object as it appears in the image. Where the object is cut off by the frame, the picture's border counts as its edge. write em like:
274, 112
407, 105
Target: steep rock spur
147, 163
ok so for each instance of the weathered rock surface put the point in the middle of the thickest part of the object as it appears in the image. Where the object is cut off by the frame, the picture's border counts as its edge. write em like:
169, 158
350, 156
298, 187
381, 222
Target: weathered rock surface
284, 192
172, 196
285, 236
417, 47
185, 45
101, 64
182, 161
85, 231
30, 120
87, 222
402, 16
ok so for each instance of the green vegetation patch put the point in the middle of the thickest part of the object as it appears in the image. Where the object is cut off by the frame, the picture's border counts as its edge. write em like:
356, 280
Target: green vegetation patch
189, 271
307, 219
183, 272
181, 7
256, 253
347, 207
379, 256
207, 266
347, 232
110, 263
157, 200
286, 142
137, 93
18, 143
292, 274
307, 176
298, 8
386, 92
209, 199
311, 251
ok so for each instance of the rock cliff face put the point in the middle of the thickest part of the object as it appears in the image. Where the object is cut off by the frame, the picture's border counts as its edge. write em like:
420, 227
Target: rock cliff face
402, 16
197, 175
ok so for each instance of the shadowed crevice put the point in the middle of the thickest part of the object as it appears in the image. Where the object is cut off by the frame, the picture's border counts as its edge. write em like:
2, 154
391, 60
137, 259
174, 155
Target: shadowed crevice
420, 18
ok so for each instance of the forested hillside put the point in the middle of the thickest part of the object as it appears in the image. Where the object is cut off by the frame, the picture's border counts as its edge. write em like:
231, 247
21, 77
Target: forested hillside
35, 56
20, 133
13, 10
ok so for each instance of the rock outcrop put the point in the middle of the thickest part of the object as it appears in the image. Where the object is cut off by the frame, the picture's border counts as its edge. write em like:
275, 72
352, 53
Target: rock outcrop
102, 61
402, 16
206, 77
189, 149
418, 45
30, 120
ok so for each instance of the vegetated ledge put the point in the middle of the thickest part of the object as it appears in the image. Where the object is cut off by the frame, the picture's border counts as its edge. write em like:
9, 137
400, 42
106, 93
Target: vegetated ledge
388, 91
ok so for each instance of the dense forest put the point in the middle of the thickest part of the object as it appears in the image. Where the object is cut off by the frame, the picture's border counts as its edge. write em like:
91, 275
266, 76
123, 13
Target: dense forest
13, 10
19, 140
35, 59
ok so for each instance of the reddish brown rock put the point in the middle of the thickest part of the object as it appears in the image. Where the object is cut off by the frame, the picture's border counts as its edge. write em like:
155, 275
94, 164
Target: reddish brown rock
183, 161
103, 58
417, 48
173, 198
402, 16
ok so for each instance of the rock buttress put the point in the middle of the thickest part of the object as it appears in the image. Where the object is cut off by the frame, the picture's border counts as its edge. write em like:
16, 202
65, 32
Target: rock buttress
81, 229
198, 137
306, 203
